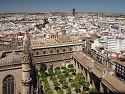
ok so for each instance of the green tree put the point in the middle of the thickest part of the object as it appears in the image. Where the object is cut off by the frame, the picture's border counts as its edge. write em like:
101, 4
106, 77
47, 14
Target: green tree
70, 66
70, 76
50, 71
53, 78
66, 72
49, 92
60, 91
43, 67
63, 67
72, 70
61, 76
64, 84
77, 87
93, 91
69, 90
56, 84
57, 68
73, 82
83, 92
37, 75
43, 75
46, 85
57, 72
86, 86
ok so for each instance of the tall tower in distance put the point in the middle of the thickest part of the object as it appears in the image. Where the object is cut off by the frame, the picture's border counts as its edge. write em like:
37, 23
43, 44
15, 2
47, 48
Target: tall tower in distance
26, 66
73, 13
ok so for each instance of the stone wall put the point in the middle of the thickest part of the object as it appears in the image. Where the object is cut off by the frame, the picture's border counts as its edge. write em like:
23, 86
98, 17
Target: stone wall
17, 74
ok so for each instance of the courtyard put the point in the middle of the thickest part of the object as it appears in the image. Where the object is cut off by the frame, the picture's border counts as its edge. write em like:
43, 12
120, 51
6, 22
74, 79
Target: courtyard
62, 80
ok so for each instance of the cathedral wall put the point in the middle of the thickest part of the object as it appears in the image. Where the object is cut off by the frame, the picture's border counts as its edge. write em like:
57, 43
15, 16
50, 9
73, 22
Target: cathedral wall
56, 53
51, 58
17, 74
25, 66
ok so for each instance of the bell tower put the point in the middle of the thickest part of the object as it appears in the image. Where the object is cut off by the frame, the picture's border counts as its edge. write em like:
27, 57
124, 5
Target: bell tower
26, 65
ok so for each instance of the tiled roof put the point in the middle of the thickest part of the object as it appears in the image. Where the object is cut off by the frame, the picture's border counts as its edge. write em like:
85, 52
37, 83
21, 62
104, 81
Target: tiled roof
101, 72
114, 82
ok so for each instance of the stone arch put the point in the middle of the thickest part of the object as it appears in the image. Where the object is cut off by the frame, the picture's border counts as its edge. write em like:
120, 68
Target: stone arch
8, 85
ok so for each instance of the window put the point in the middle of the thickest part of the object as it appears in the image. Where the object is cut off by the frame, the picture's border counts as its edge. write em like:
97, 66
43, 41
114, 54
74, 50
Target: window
51, 51
63, 50
37, 53
57, 51
8, 85
44, 52
70, 49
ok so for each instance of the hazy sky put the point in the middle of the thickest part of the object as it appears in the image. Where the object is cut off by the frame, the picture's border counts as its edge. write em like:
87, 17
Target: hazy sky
114, 6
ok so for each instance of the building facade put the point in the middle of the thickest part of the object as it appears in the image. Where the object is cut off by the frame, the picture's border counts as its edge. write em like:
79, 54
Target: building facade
17, 67
15, 71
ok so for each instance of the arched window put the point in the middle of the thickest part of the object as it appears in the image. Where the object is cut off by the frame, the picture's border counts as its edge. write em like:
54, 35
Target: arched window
8, 85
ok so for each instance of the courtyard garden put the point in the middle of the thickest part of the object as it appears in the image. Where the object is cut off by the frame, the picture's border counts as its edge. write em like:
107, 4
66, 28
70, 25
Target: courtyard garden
63, 80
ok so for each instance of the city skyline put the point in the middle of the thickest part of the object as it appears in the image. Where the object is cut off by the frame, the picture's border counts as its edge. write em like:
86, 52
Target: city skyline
34, 6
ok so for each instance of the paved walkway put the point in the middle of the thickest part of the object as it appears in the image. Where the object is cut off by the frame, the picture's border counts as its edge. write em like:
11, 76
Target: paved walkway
51, 85
54, 91
69, 84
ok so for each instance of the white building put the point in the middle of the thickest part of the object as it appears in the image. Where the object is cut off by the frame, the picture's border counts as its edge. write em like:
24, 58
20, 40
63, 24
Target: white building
115, 43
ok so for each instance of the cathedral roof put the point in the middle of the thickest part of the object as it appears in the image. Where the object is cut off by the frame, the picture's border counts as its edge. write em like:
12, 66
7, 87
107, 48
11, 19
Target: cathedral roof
12, 58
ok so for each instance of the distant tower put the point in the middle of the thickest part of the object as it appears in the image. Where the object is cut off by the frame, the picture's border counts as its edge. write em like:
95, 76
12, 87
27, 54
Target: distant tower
73, 13
26, 66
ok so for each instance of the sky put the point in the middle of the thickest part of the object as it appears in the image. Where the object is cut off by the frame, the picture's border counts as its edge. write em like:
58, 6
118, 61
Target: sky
111, 6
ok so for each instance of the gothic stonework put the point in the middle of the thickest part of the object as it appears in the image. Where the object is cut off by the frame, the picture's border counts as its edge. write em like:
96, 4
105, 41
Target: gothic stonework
26, 66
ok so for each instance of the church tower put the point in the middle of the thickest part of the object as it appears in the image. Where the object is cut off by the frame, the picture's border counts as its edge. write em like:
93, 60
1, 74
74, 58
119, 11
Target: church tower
26, 66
